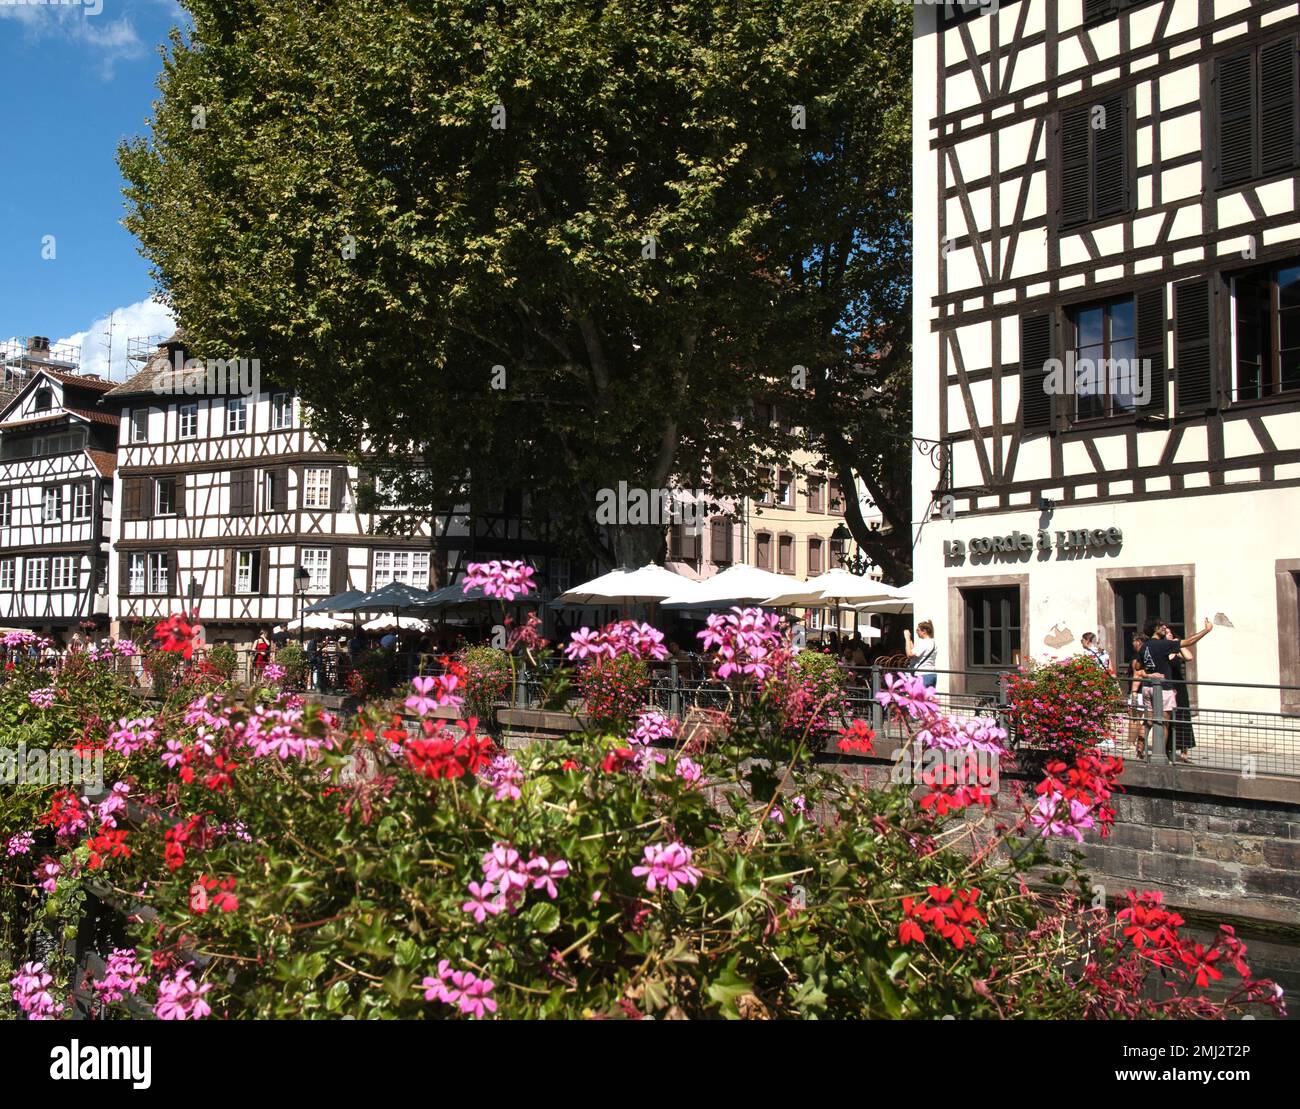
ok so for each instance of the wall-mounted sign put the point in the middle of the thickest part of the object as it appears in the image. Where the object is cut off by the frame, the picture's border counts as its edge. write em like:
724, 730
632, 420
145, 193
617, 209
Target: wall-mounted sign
1022, 542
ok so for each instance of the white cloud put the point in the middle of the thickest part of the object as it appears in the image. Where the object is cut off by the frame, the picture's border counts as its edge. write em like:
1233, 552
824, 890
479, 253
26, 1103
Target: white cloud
144, 319
81, 22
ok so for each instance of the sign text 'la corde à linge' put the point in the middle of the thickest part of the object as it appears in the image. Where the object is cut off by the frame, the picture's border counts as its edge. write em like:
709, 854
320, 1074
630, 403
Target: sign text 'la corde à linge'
1075, 541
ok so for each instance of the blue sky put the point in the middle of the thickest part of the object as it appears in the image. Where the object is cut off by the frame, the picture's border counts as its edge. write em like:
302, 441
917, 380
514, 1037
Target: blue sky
78, 81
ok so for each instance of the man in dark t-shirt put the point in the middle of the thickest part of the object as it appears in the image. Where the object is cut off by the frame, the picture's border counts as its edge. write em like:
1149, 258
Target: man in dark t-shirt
1159, 649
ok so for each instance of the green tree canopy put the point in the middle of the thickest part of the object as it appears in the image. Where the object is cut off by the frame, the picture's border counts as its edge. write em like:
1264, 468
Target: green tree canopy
645, 212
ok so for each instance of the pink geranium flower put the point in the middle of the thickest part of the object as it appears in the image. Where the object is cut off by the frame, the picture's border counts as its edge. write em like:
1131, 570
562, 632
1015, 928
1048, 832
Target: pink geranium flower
667, 865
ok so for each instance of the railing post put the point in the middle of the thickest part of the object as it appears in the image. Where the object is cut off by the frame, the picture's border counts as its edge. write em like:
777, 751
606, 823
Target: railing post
1158, 747
674, 691
521, 689
877, 709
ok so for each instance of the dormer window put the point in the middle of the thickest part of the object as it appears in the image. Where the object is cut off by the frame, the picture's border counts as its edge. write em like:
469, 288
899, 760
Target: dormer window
44, 400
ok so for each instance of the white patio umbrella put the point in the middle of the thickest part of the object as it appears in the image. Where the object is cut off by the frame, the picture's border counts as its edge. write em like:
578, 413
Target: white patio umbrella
313, 622
898, 606
834, 589
649, 583
736, 585
400, 623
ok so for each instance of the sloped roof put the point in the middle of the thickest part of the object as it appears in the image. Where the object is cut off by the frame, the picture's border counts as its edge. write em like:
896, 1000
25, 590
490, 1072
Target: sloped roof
81, 381
104, 461
158, 376
90, 414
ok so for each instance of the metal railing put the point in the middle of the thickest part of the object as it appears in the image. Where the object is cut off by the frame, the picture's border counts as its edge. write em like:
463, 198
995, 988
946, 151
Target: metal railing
1198, 734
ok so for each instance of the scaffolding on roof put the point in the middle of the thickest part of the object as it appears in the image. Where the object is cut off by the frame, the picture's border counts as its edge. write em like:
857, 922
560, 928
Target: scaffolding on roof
20, 358
140, 348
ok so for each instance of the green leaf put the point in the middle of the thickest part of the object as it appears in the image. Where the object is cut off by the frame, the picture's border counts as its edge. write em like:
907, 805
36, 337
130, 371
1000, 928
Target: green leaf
727, 988
545, 917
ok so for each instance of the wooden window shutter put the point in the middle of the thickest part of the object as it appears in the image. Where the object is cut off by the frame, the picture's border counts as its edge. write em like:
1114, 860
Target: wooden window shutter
241, 492
178, 492
785, 554
1035, 351
338, 481
130, 504
1193, 345
1236, 101
264, 571
1097, 9
721, 541
690, 544
280, 489
1110, 165
1075, 170
338, 570
173, 574
1277, 106
123, 573
763, 548
228, 574
1150, 312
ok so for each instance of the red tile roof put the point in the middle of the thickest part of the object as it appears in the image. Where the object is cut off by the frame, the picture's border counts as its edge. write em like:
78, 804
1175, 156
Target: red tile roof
110, 418
80, 380
105, 461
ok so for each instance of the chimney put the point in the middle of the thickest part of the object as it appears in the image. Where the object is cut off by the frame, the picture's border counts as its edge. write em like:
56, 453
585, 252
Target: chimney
38, 346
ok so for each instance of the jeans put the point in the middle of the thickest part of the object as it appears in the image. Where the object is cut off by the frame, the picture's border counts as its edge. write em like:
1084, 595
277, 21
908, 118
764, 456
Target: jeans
929, 680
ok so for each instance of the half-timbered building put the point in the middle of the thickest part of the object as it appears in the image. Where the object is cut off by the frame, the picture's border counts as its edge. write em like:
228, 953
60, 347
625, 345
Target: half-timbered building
225, 497
58, 452
1107, 330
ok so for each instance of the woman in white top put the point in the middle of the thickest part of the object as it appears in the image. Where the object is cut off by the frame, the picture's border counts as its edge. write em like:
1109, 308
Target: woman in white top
920, 654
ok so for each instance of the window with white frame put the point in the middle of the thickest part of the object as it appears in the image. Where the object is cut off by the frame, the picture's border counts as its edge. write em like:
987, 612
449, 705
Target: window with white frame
81, 500
407, 567
36, 573
6, 508
189, 420
248, 571
7, 573
61, 572
164, 496
140, 425
316, 561
136, 573
281, 411
52, 504
236, 416
159, 581
316, 487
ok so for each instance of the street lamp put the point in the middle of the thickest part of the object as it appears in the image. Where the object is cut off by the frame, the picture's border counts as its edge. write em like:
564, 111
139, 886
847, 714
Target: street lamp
857, 564
301, 580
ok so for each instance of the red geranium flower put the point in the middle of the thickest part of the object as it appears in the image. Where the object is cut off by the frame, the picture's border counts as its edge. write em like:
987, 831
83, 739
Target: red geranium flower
177, 634
856, 738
